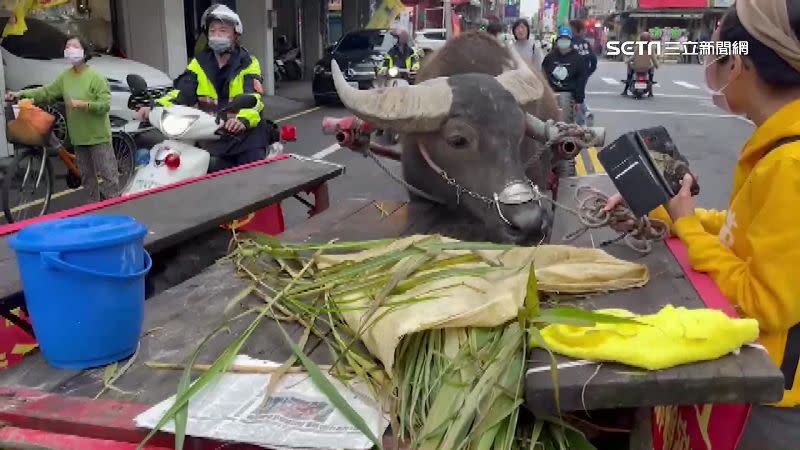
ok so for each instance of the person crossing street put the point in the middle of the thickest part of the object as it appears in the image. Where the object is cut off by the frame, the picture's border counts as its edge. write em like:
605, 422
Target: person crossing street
584, 49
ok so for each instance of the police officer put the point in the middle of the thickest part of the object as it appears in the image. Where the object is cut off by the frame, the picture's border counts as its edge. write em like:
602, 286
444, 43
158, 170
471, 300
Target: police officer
216, 75
401, 55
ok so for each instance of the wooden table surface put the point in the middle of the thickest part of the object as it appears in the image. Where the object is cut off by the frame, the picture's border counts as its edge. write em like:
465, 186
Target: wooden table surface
178, 319
177, 214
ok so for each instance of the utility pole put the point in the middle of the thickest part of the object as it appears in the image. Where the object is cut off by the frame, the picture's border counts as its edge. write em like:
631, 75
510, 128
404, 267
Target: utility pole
448, 18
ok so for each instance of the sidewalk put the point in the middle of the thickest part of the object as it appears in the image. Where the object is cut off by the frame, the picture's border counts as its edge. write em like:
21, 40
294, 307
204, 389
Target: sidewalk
291, 97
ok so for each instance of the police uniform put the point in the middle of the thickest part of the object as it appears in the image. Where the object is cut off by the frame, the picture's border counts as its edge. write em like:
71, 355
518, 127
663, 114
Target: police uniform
211, 87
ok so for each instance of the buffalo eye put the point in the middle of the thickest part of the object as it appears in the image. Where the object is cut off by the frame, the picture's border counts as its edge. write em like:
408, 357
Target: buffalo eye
457, 141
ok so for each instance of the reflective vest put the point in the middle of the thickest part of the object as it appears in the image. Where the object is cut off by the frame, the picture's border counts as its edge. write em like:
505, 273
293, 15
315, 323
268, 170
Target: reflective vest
205, 88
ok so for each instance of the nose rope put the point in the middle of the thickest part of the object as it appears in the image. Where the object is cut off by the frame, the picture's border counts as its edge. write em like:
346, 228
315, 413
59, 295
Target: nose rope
638, 233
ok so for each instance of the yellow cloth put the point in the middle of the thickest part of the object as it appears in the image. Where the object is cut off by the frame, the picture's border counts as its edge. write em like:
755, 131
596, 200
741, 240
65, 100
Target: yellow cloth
752, 252
489, 300
672, 337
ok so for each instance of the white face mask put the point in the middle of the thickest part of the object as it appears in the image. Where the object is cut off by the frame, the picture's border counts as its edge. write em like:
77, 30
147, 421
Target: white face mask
717, 93
74, 55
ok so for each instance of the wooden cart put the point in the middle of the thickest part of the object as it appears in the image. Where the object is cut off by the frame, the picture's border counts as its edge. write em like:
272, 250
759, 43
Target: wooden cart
41, 404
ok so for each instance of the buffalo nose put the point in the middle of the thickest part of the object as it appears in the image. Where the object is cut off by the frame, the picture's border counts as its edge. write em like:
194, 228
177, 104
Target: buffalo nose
528, 220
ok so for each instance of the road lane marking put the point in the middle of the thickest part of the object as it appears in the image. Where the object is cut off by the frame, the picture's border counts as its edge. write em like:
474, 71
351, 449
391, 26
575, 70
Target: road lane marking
669, 113
686, 85
326, 151
598, 168
301, 113
699, 97
611, 81
40, 201
580, 167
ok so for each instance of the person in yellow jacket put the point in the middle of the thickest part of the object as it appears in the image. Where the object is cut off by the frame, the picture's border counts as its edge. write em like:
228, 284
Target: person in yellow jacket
216, 75
752, 250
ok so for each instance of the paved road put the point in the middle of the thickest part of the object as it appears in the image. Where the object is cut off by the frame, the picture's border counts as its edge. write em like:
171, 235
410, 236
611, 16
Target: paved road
710, 138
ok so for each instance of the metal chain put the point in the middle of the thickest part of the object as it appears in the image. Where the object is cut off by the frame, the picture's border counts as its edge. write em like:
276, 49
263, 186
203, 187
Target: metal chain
401, 181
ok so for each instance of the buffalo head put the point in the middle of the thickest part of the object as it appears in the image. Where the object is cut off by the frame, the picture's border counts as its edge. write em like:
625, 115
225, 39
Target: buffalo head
462, 138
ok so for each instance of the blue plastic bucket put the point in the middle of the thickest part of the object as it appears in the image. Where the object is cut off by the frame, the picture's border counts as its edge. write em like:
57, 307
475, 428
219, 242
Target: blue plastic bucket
83, 280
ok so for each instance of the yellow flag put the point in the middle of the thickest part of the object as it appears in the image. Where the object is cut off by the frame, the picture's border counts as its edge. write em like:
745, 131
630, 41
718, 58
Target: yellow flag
16, 25
44, 4
386, 14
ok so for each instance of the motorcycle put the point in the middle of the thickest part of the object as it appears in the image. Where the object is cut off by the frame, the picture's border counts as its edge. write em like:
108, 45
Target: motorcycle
392, 77
640, 85
177, 158
289, 64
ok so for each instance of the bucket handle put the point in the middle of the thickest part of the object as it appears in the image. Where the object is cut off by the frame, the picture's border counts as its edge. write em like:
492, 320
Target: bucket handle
53, 259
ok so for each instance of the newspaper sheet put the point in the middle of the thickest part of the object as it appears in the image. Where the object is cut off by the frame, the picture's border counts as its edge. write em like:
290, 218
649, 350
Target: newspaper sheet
297, 416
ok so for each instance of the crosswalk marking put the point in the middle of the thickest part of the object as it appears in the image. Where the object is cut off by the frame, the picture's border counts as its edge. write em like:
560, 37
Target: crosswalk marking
686, 85
611, 81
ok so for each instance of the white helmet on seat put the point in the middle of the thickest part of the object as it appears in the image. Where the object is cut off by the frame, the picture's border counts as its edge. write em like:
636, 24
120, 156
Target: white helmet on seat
221, 13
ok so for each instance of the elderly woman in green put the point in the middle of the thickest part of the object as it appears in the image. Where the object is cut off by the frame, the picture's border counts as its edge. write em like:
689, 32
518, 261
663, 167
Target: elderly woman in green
87, 99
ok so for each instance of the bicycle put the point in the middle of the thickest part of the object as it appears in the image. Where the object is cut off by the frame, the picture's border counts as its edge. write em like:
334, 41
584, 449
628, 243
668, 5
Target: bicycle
28, 180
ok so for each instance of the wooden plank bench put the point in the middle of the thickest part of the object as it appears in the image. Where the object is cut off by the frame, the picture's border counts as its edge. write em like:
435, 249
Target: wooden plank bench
749, 377
176, 215
179, 318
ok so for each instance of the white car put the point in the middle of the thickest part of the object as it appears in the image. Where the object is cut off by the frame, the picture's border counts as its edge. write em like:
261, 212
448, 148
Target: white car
431, 39
37, 58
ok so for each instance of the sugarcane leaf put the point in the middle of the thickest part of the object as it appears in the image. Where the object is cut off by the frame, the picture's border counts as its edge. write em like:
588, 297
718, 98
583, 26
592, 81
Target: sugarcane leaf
108, 373
330, 391
220, 366
577, 441
237, 299
484, 440
569, 314
536, 433
532, 294
537, 340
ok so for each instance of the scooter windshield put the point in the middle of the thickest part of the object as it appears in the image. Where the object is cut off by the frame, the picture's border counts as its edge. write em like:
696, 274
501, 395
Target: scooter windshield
175, 125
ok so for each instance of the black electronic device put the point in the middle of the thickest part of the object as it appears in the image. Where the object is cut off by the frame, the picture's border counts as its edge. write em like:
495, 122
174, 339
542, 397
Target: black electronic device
646, 168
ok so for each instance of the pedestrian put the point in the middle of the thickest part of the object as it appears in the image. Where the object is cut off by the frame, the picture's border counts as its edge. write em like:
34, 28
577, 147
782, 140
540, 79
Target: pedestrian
585, 50
87, 99
751, 250
684, 50
495, 28
566, 71
525, 46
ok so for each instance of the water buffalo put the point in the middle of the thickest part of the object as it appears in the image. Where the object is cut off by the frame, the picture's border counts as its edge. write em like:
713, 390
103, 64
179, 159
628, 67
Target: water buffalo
463, 134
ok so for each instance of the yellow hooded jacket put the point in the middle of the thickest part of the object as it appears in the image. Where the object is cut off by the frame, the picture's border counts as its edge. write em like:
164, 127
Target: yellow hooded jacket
752, 251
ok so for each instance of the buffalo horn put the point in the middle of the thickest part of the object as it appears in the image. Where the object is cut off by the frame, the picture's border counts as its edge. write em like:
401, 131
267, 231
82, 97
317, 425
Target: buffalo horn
420, 108
521, 82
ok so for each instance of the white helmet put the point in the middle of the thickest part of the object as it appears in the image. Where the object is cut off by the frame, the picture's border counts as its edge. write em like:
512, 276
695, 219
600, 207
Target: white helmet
222, 13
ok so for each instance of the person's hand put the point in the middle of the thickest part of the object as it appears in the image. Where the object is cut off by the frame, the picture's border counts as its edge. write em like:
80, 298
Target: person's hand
142, 113
613, 201
682, 205
78, 104
11, 96
578, 107
234, 126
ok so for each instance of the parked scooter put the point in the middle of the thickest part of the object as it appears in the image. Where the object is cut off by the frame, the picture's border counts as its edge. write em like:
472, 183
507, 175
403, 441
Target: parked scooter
291, 67
177, 158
